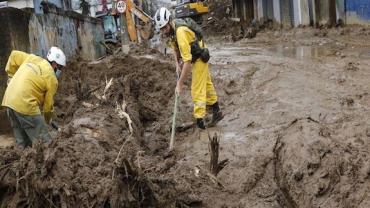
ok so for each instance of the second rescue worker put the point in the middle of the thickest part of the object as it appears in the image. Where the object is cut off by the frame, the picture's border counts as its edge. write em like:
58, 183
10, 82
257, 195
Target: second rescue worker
184, 41
32, 82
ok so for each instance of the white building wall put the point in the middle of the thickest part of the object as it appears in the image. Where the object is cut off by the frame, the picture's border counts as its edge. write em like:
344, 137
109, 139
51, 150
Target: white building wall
301, 13
260, 13
20, 4
305, 12
297, 12
277, 11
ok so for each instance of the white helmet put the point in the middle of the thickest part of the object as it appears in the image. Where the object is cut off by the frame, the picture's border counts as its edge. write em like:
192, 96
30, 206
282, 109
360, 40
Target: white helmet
57, 55
162, 17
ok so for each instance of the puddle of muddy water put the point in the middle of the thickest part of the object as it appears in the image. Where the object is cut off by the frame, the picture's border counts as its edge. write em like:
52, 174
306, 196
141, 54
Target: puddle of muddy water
230, 55
300, 52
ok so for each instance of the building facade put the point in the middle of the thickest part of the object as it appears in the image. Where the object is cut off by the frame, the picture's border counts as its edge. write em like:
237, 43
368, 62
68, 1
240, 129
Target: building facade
295, 13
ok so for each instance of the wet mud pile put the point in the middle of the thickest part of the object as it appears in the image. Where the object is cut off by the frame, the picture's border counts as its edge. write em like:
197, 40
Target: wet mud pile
295, 134
103, 108
217, 22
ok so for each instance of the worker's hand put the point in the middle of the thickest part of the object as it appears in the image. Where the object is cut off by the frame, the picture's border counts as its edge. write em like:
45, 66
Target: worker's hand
179, 87
178, 70
48, 117
181, 64
8, 81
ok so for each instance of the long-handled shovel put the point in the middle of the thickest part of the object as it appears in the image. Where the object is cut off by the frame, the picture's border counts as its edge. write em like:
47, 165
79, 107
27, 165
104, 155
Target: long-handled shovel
173, 129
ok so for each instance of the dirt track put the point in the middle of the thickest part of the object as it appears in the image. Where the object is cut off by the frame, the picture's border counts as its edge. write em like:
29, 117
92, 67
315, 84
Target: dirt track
296, 131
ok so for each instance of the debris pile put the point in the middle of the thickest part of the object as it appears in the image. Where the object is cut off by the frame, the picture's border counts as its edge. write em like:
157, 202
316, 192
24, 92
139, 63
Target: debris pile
94, 162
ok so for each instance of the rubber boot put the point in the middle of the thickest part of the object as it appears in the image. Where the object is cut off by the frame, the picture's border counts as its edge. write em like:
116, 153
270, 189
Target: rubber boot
217, 114
200, 123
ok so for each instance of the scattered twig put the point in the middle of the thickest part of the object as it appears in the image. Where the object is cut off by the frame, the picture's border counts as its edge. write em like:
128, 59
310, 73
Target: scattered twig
108, 49
139, 155
119, 154
121, 110
107, 86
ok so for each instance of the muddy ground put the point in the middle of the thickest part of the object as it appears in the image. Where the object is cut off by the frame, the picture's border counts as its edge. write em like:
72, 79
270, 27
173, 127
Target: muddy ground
296, 131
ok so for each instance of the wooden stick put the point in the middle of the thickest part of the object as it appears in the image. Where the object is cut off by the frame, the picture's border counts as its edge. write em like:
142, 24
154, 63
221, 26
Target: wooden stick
214, 149
177, 97
173, 130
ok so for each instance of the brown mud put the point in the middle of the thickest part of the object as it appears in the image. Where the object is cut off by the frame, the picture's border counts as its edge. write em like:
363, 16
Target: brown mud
95, 160
296, 131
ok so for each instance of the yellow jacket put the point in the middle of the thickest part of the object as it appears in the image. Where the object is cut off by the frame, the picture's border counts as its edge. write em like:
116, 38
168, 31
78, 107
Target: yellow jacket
33, 84
184, 37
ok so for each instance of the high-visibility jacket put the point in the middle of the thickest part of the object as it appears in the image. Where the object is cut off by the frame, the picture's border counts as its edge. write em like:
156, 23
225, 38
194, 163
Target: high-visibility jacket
202, 90
33, 84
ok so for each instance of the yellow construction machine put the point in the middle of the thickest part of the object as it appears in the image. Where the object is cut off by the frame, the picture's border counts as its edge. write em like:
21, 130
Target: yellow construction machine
139, 24
144, 25
191, 8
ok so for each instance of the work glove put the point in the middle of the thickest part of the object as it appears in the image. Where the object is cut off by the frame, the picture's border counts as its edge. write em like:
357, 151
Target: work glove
48, 116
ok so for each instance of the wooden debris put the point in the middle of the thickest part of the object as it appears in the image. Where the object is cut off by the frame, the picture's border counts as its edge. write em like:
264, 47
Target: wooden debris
108, 84
214, 145
214, 149
121, 110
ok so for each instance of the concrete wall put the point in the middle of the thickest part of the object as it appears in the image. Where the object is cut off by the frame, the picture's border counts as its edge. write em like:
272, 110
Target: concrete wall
269, 9
35, 4
305, 14
90, 34
35, 33
327, 12
301, 13
290, 13
265, 10
296, 13
340, 9
260, 11
312, 12
72, 32
287, 13
42, 35
243, 9
277, 11
21, 4
323, 12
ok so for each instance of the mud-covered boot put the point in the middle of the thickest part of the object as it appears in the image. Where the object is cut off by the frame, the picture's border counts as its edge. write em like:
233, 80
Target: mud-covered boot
200, 123
217, 115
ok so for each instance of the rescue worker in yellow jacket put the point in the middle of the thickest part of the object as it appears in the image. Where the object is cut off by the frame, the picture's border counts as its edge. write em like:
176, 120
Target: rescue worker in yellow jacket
182, 39
32, 83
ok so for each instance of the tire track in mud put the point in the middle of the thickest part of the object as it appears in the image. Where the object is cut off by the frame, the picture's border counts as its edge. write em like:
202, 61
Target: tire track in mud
284, 197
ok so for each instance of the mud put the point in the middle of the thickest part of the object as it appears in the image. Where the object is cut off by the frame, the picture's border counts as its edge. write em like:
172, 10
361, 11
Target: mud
296, 131
94, 161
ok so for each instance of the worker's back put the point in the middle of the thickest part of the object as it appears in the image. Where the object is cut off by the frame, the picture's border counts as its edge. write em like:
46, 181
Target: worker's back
32, 84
